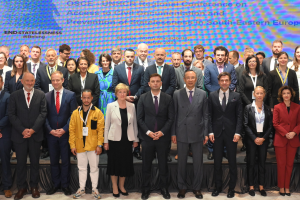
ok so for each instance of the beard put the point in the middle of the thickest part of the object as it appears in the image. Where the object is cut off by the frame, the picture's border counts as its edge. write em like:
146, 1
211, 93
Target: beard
51, 63
27, 88
187, 62
275, 53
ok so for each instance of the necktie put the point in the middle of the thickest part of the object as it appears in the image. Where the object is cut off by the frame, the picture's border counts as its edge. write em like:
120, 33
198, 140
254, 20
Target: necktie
129, 74
224, 102
28, 98
143, 63
34, 65
51, 70
156, 111
191, 96
57, 102
159, 70
275, 63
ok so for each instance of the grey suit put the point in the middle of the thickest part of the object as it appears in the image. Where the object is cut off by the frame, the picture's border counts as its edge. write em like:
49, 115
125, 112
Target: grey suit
180, 75
266, 65
205, 62
190, 127
149, 61
239, 71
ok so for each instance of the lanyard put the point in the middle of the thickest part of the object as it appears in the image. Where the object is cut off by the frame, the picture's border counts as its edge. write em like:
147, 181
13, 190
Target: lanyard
47, 68
87, 115
254, 82
285, 75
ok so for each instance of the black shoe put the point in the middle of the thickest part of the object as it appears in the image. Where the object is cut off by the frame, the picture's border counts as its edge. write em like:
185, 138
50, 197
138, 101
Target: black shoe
282, 194
251, 193
123, 193
52, 191
45, 155
243, 148
169, 158
165, 193
198, 194
66, 191
137, 155
263, 193
288, 194
225, 155
210, 156
230, 194
181, 194
116, 195
215, 193
145, 195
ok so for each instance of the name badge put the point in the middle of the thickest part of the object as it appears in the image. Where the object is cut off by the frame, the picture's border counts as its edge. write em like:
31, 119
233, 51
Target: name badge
85, 131
50, 87
259, 127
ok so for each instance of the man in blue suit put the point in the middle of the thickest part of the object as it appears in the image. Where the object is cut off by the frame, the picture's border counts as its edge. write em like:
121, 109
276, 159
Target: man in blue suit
142, 56
132, 75
60, 105
211, 80
167, 72
5, 142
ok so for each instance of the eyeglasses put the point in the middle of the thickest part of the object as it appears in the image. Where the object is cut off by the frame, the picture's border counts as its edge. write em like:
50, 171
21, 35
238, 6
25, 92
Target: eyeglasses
252, 62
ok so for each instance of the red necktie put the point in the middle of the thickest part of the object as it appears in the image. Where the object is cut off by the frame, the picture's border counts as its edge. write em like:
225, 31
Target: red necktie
28, 98
129, 76
57, 102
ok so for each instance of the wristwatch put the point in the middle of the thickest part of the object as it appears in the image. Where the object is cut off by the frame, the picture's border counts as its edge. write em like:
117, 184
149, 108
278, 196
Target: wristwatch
100, 146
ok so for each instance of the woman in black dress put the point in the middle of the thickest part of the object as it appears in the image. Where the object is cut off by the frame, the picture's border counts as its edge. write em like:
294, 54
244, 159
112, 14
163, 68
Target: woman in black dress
120, 136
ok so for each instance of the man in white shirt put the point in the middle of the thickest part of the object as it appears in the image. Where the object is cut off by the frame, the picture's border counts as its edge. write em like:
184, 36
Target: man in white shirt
142, 56
176, 59
64, 54
233, 58
270, 63
116, 55
34, 62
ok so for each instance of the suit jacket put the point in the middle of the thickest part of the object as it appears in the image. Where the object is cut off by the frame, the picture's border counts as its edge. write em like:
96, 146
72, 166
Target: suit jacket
266, 65
136, 85
250, 123
42, 80
284, 123
5, 126
274, 83
168, 78
59, 120
41, 65
191, 119
10, 84
146, 116
113, 123
180, 75
239, 72
21, 117
10, 62
205, 62
149, 60
91, 83
211, 73
5, 69
231, 119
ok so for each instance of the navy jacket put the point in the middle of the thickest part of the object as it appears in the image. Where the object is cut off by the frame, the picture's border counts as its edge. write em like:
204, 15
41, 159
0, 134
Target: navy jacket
10, 84
5, 125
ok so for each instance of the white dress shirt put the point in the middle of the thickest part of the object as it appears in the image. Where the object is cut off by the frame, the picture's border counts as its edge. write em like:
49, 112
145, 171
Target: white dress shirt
60, 63
235, 66
188, 92
162, 69
60, 95
26, 95
114, 64
127, 69
272, 63
158, 98
144, 64
36, 67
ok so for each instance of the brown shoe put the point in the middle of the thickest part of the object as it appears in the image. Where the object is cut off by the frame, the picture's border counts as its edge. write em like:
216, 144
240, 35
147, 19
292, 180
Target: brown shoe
181, 194
7, 193
176, 157
35, 192
20, 194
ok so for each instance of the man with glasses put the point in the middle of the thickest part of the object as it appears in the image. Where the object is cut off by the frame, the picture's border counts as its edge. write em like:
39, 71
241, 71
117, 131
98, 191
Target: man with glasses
199, 55
64, 54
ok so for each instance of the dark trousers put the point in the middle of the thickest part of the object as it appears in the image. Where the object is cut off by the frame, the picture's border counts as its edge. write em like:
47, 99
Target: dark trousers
22, 149
59, 147
260, 151
210, 147
220, 142
5, 147
161, 148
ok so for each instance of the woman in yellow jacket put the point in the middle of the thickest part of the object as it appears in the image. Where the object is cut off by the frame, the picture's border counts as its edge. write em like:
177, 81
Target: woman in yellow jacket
86, 139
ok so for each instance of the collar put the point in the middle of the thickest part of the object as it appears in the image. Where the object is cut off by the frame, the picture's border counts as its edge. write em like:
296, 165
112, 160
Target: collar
140, 61
92, 108
190, 90
221, 92
115, 63
281, 71
131, 66
34, 62
55, 66
60, 91
27, 92
158, 96
159, 65
186, 68
253, 105
223, 65
238, 64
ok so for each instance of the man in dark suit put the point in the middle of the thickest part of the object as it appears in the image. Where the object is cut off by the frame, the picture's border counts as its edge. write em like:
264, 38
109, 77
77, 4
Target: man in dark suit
132, 75
225, 125
142, 56
155, 115
166, 72
34, 63
5, 50
27, 112
233, 58
60, 105
5, 141
271, 62
190, 128
116, 55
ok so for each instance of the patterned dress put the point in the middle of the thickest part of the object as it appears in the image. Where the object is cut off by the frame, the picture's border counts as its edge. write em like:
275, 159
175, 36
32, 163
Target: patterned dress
107, 94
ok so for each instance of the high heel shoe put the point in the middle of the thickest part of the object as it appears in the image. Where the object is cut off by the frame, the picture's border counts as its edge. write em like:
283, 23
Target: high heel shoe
123, 193
282, 194
116, 195
288, 194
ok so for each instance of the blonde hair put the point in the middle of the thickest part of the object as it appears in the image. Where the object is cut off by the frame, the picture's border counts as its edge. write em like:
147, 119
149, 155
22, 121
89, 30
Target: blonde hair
59, 73
121, 86
259, 87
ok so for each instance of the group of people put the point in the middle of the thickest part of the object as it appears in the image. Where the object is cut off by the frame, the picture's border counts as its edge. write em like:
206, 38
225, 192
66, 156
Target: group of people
69, 105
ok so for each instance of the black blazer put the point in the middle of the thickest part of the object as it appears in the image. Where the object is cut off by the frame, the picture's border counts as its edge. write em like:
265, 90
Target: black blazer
21, 117
239, 72
250, 123
9, 62
231, 119
10, 84
146, 115
5, 125
40, 66
275, 83
42, 80
91, 83
168, 78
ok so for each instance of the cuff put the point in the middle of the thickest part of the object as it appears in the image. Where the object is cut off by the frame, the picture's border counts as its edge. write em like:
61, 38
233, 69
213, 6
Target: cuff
237, 134
210, 133
147, 133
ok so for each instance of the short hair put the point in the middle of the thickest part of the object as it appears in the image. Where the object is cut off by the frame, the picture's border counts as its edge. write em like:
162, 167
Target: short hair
235, 54
249, 49
64, 47
1, 78
155, 75
130, 50
50, 49
37, 47
261, 53
141, 45
182, 54
176, 53
257, 69
5, 47
224, 74
286, 87
207, 57
189, 70
277, 41
25, 45
199, 46
58, 72
282, 53
115, 49
105, 55
82, 58
5, 63
72, 59
14, 68
89, 55
121, 86
87, 90
260, 87
221, 48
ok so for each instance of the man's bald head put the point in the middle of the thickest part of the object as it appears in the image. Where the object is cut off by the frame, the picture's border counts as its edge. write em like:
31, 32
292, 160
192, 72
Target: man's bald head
142, 51
160, 56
